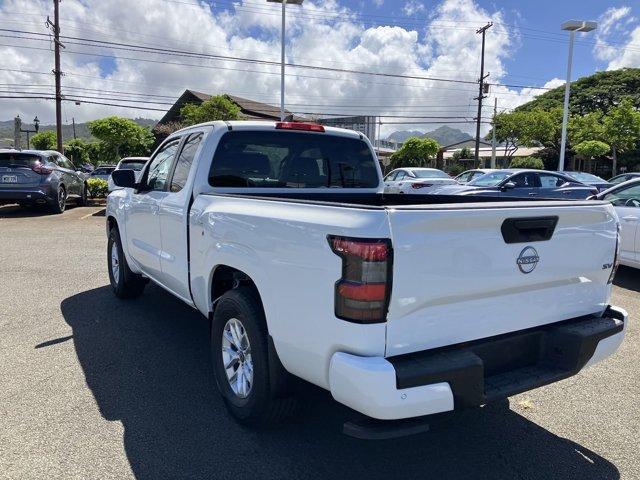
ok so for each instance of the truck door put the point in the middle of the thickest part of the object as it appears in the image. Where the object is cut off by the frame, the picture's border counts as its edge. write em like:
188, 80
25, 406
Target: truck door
143, 223
174, 221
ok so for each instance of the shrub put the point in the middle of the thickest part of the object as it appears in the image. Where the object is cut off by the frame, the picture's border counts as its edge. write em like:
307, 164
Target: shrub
97, 188
455, 169
527, 162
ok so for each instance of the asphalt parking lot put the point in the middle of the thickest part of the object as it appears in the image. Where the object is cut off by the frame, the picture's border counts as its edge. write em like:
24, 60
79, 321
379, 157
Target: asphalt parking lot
95, 387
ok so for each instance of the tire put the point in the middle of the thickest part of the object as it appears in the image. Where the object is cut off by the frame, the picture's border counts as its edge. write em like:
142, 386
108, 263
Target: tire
82, 199
266, 403
124, 282
60, 204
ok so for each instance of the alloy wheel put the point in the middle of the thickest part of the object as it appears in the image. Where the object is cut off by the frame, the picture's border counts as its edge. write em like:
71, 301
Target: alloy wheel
236, 357
115, 262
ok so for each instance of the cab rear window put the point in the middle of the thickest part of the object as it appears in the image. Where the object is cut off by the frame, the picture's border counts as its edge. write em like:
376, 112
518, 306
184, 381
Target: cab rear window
266, 159
18, 160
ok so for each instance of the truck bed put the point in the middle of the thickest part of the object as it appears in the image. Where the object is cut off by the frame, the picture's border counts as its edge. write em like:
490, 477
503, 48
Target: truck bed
383, 200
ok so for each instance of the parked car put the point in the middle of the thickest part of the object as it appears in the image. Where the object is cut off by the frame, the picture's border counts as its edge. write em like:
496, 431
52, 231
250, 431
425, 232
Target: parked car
469, 175
415, 180
625, 198
590, 179
400, 305
623, 177
40, 177
522, 183
131, 163
103, 172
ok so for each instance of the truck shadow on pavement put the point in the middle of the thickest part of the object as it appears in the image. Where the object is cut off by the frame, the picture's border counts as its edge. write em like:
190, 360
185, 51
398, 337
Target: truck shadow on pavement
147, 363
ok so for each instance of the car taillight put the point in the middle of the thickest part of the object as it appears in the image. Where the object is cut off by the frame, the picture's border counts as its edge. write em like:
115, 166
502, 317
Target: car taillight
362, 293
421, 185
41, 169
309, 127
616, 255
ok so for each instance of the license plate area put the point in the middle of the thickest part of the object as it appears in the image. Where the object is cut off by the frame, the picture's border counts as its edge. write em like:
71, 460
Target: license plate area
9, 179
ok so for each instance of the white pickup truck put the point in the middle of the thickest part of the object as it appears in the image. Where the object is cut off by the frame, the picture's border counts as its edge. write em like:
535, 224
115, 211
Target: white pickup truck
401, 306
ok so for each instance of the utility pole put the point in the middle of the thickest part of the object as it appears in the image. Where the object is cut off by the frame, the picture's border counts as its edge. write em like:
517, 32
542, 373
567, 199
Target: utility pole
57, 72
73, 120
493, 139
481, 95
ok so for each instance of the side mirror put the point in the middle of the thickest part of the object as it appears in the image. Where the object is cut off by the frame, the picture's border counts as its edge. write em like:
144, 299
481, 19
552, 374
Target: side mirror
508, 186
124, 178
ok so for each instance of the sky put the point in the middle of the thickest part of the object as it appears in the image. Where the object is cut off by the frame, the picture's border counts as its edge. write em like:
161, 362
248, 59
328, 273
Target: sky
425, 54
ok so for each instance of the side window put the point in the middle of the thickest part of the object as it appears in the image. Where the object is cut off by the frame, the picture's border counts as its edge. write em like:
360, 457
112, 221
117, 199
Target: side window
550, 181
625, 197
465, 177
391, 177
524, 180
184, 162
400, 176
159, 168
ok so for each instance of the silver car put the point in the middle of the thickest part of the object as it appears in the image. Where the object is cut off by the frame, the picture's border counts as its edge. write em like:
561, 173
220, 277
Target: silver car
103, 172
40, 177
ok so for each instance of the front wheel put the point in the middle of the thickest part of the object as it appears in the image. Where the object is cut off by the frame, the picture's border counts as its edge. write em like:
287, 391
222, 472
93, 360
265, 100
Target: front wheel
82, 199
124, 282
252, 391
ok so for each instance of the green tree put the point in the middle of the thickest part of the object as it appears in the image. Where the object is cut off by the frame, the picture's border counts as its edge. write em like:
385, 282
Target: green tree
46, 140
77, 151
591, 149
415, 152
121, 136
216, 108
527, 162
621, 130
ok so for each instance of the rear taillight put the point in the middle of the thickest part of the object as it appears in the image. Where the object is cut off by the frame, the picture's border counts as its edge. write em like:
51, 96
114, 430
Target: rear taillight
421, 185
616, 255
362, 293
41, 169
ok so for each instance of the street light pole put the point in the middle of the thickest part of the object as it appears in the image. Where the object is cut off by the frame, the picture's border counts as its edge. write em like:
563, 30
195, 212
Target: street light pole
282, 45
572, 27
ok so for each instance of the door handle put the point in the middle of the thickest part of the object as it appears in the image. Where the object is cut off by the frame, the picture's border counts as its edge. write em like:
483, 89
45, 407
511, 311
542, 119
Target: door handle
630, 218
155, 209
532, 194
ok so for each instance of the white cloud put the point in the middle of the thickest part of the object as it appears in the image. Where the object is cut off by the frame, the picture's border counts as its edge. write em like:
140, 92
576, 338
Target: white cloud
613, 24
378, 3
319, 33
412, 7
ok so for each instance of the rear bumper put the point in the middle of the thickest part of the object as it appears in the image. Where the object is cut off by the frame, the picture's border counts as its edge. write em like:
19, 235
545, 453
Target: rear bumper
473, 373
28, 195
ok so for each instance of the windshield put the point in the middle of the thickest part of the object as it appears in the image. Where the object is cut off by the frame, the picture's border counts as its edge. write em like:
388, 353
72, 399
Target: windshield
103, 171
281, 159
620, 178
429, 174
132, 165
490, 179
17, 160
585, 177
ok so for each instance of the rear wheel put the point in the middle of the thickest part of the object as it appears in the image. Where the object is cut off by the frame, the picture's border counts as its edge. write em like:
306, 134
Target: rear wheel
60, 203
250, 383
124, 282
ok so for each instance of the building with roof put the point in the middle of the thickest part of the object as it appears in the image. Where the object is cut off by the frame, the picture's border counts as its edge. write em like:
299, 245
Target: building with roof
249, 109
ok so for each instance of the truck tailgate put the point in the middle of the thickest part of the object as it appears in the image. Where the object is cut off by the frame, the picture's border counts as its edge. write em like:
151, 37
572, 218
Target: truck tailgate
457, 278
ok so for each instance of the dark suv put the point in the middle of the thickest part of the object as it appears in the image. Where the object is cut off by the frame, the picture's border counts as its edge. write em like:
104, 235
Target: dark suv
40, 177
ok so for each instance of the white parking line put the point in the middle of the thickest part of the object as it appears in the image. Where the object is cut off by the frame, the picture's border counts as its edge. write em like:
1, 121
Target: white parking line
91, 214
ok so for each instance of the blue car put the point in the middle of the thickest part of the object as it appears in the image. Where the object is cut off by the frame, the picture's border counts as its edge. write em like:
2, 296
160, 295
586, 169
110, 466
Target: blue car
40, 177
522, 183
